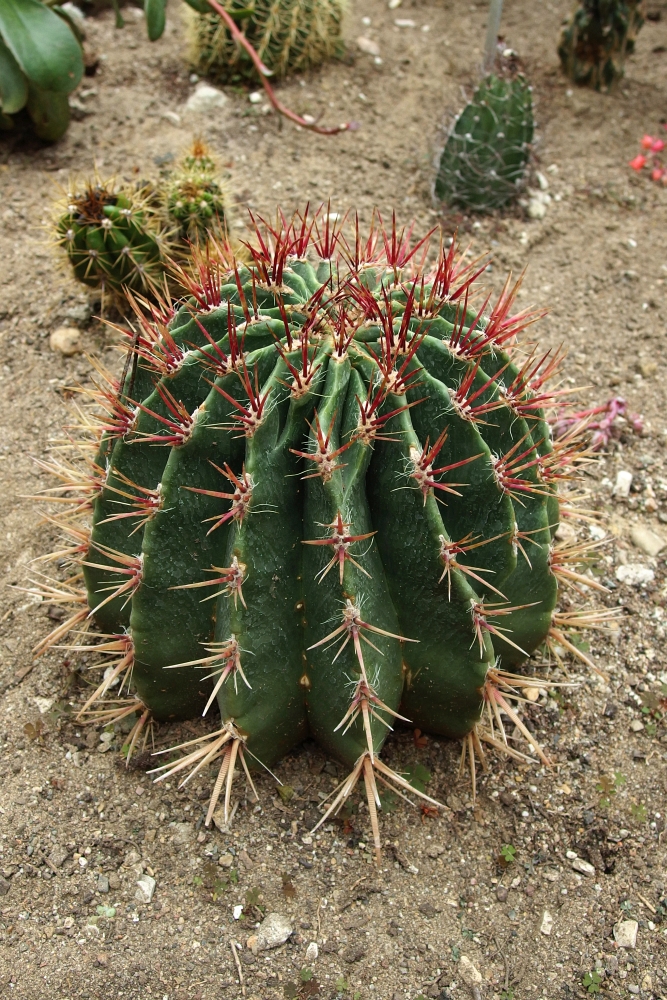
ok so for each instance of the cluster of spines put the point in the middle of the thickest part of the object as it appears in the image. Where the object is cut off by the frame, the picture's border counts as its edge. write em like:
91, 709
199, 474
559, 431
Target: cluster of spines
385, 331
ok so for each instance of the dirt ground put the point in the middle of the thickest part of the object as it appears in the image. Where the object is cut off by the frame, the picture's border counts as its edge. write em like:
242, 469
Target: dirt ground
78, 830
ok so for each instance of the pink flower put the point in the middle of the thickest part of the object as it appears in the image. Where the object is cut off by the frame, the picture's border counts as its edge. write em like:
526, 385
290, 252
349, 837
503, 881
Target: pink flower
647, 141
657, 173
658, 146
639, 162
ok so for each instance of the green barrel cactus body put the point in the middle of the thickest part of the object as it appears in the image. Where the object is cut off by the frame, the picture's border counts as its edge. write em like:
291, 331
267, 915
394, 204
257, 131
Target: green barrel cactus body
194, 198
289, 36
597, 39
482, 165
113, 239
318, 507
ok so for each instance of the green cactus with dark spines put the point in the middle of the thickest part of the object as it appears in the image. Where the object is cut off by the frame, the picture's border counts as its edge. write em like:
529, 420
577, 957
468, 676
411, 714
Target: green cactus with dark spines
484, 160
333, 506
597, 39
113, 238
194, 198
289, 36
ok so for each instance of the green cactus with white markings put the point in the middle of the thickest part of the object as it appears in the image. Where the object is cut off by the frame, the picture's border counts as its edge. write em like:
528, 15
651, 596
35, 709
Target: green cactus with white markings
484, 160
113, 238
325, 497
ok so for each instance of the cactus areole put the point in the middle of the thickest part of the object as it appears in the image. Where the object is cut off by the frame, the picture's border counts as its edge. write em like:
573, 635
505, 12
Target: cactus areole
324, 497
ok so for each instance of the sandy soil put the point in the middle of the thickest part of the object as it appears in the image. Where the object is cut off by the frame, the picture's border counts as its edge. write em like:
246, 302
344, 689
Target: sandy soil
78, 829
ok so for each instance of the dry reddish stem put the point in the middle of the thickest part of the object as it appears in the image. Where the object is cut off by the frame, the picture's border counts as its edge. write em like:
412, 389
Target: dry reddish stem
264, 72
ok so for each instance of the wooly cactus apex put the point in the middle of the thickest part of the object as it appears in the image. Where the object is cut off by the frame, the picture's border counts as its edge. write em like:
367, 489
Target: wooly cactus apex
113, 237
325, 496
289, 36
485, 156
194, 197
597, 39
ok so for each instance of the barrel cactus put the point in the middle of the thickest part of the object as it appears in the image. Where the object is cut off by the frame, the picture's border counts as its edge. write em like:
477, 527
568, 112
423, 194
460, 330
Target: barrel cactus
483, 163
194, 197
288, 35
597, 39
325, 497
113, 237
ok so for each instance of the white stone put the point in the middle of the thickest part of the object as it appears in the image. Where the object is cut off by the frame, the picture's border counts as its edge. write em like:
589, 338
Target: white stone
623, 483
255, 97
67, 340
634, 574
542, 181
172, 116
582, 866
636, 726
368, 46
393, 4
237, 911
536, 208
547, 924
274, 931
625, 933
312, 951
404, 22
43, 704
647, 540
468, 971
145, 889
205, 98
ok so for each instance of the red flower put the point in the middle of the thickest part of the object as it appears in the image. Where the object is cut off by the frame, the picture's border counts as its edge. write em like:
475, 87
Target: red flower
658, 146
657, 174
647, 141
639, 162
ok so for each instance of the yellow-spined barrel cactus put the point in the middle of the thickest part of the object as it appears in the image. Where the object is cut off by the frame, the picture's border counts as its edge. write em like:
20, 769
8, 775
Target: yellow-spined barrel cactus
194, 198
288, 35
113, 237
325, 496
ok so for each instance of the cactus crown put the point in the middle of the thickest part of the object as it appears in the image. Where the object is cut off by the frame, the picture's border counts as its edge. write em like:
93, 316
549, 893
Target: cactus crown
325, 496
288, 35
485, 156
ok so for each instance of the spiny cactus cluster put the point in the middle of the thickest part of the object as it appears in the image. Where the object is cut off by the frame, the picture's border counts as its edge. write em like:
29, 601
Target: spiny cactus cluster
597, 40
288, 35
325, 496
194, 197
118, 237
485, 156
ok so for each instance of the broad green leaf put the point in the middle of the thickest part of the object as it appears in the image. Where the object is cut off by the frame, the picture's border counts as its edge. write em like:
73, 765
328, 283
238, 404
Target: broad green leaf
155, 13
49, 113
42, 44
13, 84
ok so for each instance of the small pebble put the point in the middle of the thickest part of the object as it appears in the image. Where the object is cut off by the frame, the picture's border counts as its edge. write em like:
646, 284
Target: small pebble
625, 933
636, 726
205, 98
273, 931
501, 893
67, 340
582, 866
145, 889
647, 540
623, 483
312, 952
102, 884
368, 46
634, 574
547, 924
